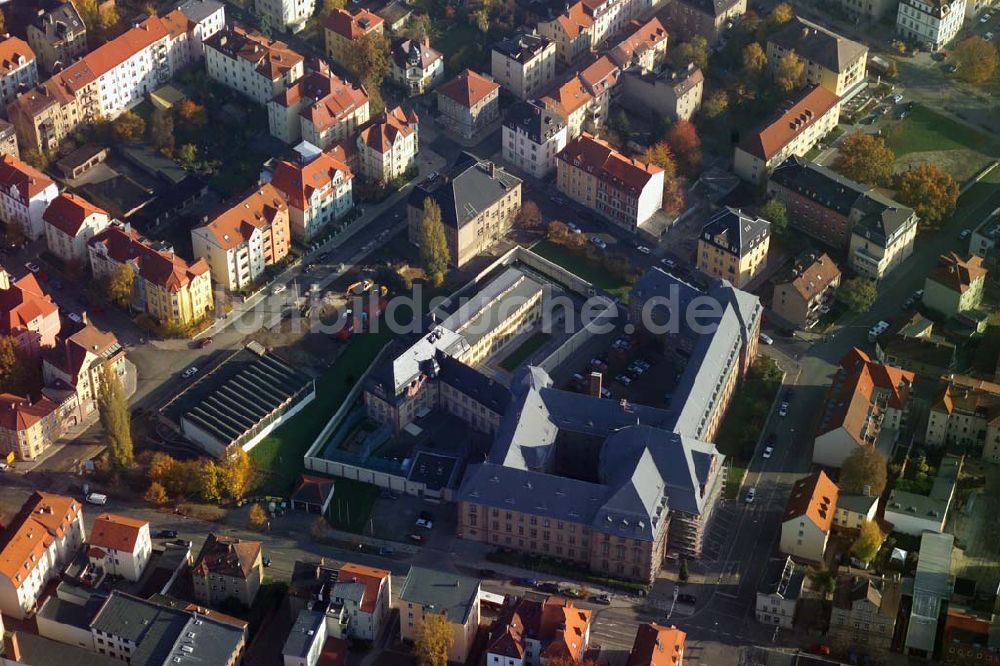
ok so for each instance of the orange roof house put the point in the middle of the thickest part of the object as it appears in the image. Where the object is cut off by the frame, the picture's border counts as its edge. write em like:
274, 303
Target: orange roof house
644, 47
656, 645
27, 313
561, 629
808, 517
114, 532
69, 211
567, 99
382, 132
468, 89
370, 579
162, 268
29, 181
600, 76
773, 137
607, 164
14, 54
18, 414
352, 26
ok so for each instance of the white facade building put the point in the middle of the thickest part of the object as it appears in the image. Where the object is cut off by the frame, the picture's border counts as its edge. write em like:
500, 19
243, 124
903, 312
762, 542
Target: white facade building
25, 193
70, 222
120, 545
18, 67
286, 14
364, 593
251, 64
532, 137
317, 187
931, 24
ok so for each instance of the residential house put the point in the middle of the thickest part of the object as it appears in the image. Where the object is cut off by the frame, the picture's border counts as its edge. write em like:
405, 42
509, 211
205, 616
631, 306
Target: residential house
708, 18
793, 132
525, 64
930, 24
599, 78
671, 92
416, 66
35, 545
25, 193
479, 201
314, 638
806, 290
388, 145
970, 637
240, 243
342, 30
864, 612
831, 61
8, 140
865, 406
531, 632
27, 313
364, 593
57, 35
656, 645
967, 417
882, 236
644, 50
869, 10
171, 290
915, 513
956, 285
911, 343
532, 137
808, 517
621, 189
572, 31
27, 428
572, 102
778, 593
46, 115
251, 64
396, 15
120, 545
932, 586
733, 246
286, 15
227, 567
853, 511
18, 68
317, 188
454, 596
70, 222
469, 103
320, 108
206, 17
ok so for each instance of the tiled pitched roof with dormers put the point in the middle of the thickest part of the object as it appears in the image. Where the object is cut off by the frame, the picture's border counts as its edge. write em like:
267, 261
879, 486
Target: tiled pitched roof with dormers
469, 88
815, 498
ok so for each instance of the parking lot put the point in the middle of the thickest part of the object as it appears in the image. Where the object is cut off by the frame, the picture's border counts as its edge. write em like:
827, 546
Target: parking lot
395, 517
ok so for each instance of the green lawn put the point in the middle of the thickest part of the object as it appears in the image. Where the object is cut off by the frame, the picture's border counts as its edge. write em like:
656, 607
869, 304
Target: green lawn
744, 420
733, 480
351, 505
522, 353
979, 200
924, 130
578, 264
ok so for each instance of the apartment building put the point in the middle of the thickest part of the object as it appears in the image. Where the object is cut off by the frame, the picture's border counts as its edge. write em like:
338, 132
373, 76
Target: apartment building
469, 103
572, 102
530, 632
955, 285
733, 246
916, 512
869, 10
644, 50
119, 545
388, 145
206, 17
600, 79
46, 115
25, 193
57, 36
882, 236
622, 189
343, 29
240, 243
808, 517
656, 645
168, 288
287, 15
794, 132
27, 313
454, 596
70, 222
865, 406
809, 286
831, 61
525, 64
778, 593
320, 108
532, 137
251, 64
42, 538
572, 32
479, 201
965, 416
8, 140
364, 593
318, 189
930, 24
864, 611
708, 18
227, 567
18, 68
416, 66
27, 428
671, 93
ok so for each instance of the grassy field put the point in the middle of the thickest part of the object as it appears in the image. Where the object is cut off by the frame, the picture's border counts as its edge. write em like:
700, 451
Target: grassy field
522, 353
578, 264
925, 130
351, 505
744, 420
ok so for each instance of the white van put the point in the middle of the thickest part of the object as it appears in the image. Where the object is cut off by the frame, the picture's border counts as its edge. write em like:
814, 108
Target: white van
97, 498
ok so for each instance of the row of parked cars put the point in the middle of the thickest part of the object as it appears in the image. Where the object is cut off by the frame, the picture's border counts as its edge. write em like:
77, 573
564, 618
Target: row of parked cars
549, 587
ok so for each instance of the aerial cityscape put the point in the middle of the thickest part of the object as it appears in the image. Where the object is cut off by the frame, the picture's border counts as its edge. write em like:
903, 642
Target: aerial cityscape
499, 332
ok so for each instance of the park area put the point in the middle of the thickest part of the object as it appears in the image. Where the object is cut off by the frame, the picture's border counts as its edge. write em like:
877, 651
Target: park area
927, 136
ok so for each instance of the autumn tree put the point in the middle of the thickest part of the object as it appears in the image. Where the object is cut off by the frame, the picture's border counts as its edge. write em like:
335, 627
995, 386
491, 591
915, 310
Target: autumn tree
753, 60
209, 486
433, 640
530, 216
18, 370
682, 137
434, 254
329, 6
119, 285
3, 22
868, 541
236, 474
187, 155
35, 158
368, 59
790, 72
716, 104
775, 212
557, 231
864, 472
976, 60
418, 27
858, 294
780, 15
156, 494
160, 467
865, 158
930, 192
258, 517
693, 51
673, 196
662, 156
191, 112
114, 416
161, 132
129, 127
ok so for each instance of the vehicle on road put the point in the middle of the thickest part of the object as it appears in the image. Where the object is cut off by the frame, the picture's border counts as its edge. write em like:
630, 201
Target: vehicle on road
549, 588
783, 409
751, 494
526, 582
425, 520
386, 551
190, 372
278, 288
574, 592
669, 263
33, 267
602, 599
205, 342
556, 199
4, 467
964, 234
417, 538
74, 317
771, 440
598, 242
165, 534
323, 256
266, 561
819, 648
896, 99
97, 498
643, 249
766, 339
487, 573
687, 599
985, 18
623, 380
575, 229
768, 452
877, 330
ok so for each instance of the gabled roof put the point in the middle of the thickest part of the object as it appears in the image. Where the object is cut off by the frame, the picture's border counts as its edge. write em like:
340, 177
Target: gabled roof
735, 232
958, 274
298, 182
574, 20
59, 22
18, 414
68, 212
227, 556
567, 98
111, 54
815, 498
598, 158
256, 211
71, 353
810, 107
352, 26
29, 181
270, 58
43, 518
385, 129
412, 53
656, 645
811, 274
712, 8
326, 98
114, 532
370, 578
165, 269
14, 54
469, 88
600, 76
816, 44
22, 303
565, 628
644, 37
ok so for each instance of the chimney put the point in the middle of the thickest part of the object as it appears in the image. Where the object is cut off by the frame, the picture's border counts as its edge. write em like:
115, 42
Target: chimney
594, 385
426, 41
492, 169
11, 649
4, 279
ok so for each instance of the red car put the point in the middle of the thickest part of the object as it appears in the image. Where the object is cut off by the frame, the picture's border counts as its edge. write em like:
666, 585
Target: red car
205, 342
819, 648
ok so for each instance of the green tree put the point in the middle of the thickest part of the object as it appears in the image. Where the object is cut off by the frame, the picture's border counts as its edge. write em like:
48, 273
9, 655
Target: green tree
18, 371
823, 580
621, 124
433, 640
368, 59
774, 211
187, 155
716, 104
790, 73
868, 541
693, 51
129, 127
120, 285
418, 27
858, 294
864, 470
114, 416
753, 60
931, 192
780, 15
976, 60
236, 474
161, 132
329, 6
865, 158
434, 253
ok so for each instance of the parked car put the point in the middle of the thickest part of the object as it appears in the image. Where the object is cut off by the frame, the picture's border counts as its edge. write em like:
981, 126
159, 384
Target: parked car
205, 342
751, 494
386, 551
771, 440
278, 288
4, 467
623, 380
896, 99
766, 339
669, 263
965, 234
783, 409
266, 561
74, 317
819, 648
573, 592
687, 599
548, 588
33, 267
417, 538
602, 599
425, 523
643, 249
97, 498
573, 228
190, 372
598, 242
526, 582
768, 452
165, 534
487, 573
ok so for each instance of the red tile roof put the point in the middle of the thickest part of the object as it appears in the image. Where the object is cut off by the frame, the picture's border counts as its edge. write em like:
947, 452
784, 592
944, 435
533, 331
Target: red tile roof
108, 56
656, 645
469, 88
600, 159
164, 269
43, 517
74, 350
258, 210
565, 627
68, 212
18, 414
114, 532
567, 98
600, 75
814, 497
14, 54
23, 302
575, 20
768, 141
28, 180
645, 36
227, 556
298, 182
352, 26
956, 273
388, 127
370, 577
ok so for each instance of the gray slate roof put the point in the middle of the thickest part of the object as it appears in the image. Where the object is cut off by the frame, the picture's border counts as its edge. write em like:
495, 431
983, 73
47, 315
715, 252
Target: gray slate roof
537, 122
452, 594
711, 7
304, 634
39, 651
466, 190
521, 46
57, 21
199, 10
734, 231
783, 578
817, 44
